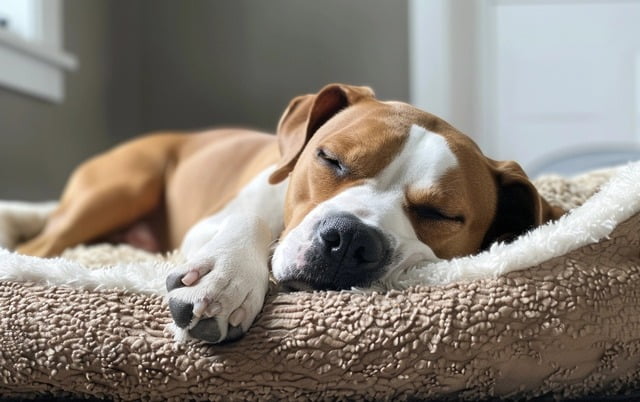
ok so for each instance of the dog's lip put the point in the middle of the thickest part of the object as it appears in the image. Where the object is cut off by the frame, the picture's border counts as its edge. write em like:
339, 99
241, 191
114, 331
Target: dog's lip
293, 285
310, 285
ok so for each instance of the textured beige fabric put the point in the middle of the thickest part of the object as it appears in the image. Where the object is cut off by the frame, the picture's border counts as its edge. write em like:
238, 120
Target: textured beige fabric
566, 328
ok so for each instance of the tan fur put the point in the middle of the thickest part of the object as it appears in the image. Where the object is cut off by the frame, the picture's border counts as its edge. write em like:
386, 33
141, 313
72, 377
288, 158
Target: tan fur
171, 179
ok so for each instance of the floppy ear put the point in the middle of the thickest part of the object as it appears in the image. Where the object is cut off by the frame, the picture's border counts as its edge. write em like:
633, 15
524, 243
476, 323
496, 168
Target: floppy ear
519, 206
304, 116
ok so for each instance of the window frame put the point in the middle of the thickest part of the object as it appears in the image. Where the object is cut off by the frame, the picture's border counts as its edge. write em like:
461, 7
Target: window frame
37, 67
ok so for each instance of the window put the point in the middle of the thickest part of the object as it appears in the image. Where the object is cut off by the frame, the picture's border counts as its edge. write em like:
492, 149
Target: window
32, 60
19, 17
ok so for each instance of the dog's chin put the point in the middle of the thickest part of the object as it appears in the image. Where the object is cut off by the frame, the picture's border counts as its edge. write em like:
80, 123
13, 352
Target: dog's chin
293, 285
305, 279
310, 278
298, 285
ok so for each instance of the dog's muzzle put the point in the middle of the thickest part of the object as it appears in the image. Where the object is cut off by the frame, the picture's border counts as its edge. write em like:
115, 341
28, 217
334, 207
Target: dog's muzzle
344, 252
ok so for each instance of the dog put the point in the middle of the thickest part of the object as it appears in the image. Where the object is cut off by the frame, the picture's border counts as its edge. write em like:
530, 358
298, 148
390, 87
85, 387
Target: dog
350, 190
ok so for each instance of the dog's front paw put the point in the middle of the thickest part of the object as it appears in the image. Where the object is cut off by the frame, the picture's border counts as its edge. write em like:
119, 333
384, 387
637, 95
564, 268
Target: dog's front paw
217, 299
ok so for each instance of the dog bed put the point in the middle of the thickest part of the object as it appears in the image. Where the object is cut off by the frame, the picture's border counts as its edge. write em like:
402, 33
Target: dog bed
555, 314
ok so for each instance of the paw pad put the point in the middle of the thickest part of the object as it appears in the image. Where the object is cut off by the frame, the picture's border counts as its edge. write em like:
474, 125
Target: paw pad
181, 312
174, 281
207, 330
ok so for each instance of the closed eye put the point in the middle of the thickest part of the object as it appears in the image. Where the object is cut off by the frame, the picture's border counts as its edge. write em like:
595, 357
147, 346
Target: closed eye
429, 213
331, 161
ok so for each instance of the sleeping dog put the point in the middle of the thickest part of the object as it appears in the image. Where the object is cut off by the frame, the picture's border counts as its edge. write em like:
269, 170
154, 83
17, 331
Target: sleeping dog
350, 190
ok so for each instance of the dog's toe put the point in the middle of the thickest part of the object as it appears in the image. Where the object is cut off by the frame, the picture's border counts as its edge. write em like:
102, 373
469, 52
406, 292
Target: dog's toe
174, 281
181, 312
207, 330
234, 333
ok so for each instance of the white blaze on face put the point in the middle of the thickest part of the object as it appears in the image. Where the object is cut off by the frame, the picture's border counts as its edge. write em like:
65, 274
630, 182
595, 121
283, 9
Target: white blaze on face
425, 157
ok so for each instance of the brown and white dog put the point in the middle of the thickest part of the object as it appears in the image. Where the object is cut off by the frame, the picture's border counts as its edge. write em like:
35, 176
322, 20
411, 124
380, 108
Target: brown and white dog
351, 189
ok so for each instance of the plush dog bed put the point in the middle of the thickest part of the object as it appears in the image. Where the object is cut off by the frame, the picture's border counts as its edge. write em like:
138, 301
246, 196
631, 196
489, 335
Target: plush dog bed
555, 314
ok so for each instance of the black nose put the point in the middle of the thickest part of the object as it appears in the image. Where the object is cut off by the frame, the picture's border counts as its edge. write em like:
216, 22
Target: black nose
346, 242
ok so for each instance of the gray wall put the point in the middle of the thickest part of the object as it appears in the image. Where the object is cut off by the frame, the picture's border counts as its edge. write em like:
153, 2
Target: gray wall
161, 64
241, 61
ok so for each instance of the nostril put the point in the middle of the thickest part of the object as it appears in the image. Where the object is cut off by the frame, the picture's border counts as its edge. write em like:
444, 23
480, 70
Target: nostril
369, 250
364, 255
331, 238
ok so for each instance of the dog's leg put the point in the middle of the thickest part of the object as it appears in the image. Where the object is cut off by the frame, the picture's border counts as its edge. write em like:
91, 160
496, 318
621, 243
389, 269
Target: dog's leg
83, 219
20, 221
104, 194
218, 293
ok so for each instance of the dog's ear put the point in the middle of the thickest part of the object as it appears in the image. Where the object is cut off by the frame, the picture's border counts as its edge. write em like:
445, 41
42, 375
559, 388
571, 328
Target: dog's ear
519, 206
304, 116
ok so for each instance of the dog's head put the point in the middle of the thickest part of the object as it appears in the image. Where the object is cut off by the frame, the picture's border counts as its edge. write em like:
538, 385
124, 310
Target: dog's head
377, 186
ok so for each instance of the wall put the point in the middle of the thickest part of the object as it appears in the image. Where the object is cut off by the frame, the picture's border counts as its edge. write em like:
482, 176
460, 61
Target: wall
160, 64
41, 141
240, 62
